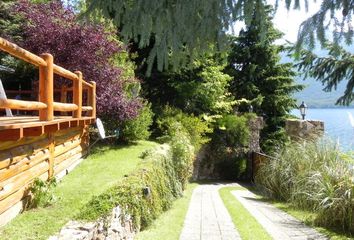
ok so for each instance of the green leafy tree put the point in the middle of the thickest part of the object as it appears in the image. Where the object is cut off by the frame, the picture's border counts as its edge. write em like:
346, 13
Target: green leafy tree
254, 63
184, 29
11, 28
138, 128
202, 88
9, 24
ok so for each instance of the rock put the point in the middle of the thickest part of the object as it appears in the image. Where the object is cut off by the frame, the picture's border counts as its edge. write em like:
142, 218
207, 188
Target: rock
74, 230
117, 226
304, 129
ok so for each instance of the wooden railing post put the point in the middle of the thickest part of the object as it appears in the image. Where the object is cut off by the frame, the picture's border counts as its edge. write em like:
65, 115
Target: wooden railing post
46, 88
63, 94
51, 148
77, 95
93, 99
63, 97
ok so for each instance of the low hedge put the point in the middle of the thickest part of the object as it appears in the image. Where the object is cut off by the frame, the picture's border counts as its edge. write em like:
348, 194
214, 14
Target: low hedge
160, 179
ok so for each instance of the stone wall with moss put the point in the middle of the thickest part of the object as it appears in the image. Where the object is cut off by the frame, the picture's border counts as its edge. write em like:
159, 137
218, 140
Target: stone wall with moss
215, 161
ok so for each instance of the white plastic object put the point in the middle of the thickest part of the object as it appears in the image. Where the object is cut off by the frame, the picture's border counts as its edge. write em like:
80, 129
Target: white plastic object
100, 128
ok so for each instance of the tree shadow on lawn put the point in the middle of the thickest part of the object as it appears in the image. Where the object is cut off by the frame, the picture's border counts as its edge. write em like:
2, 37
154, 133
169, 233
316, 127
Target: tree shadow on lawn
105, 145
241, 184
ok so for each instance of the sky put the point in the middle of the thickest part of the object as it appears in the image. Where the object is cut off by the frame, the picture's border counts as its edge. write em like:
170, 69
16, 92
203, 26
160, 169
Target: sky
289, 21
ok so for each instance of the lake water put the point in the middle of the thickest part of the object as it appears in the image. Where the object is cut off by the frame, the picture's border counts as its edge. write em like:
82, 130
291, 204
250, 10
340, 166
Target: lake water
337, 124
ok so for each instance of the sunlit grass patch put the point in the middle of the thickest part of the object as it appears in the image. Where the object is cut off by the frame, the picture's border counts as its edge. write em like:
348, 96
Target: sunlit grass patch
246, 224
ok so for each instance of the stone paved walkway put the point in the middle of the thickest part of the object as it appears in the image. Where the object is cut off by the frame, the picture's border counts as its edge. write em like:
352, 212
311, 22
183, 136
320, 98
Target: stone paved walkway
207, 218
280, 225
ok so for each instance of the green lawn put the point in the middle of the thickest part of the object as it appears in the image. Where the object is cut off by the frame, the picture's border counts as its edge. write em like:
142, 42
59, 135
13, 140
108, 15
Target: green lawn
169, 225
92, 177
246, 224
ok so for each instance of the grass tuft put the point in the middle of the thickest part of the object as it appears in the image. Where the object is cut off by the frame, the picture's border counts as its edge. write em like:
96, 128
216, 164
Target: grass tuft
314, 176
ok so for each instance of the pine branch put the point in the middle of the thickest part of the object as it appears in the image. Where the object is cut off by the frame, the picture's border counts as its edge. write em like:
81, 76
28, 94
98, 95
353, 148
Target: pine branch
331, 70
182, 29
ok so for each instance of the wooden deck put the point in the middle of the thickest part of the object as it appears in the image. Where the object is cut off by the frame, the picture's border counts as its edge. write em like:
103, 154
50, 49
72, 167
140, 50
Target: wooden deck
42, 146
15, 128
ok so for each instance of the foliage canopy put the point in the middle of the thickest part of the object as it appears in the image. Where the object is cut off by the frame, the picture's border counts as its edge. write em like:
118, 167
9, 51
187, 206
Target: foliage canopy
91, 48
254, 64
333, 15
331, 70
201, 88
179, 27
185, 28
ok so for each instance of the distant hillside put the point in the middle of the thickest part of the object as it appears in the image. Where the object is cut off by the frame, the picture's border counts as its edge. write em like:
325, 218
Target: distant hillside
315, 97
313, 94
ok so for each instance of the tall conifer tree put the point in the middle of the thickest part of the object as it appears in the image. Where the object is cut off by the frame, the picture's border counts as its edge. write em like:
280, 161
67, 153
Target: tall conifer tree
254, 63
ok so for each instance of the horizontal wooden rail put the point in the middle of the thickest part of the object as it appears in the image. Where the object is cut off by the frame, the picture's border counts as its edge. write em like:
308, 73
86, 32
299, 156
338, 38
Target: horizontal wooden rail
36, 92
68, 75
65, 73
87, 84
21, 105
29, 57
64, 107
87, 108
47, 70
21, 53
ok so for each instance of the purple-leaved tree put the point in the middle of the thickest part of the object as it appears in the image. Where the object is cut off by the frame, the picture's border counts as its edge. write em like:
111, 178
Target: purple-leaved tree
52, 28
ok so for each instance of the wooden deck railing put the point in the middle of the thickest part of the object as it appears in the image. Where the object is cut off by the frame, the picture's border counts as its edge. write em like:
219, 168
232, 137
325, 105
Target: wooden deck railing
46, 105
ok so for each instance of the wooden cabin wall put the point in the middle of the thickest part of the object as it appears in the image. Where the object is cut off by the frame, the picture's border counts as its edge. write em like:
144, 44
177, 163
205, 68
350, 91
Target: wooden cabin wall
44, 157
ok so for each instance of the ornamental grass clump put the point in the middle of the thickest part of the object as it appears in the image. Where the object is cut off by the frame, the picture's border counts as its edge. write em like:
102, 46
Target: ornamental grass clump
313, 176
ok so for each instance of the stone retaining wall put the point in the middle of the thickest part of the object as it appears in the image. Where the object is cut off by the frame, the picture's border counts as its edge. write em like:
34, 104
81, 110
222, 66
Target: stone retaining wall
117, 226
304, 129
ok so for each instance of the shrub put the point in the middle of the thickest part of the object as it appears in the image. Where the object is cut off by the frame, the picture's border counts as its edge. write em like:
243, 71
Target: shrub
138, 128
91, 48
42, 193
182, 152
199, 88
173, 120
164, 171
313, 176
229, 147
234, 130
